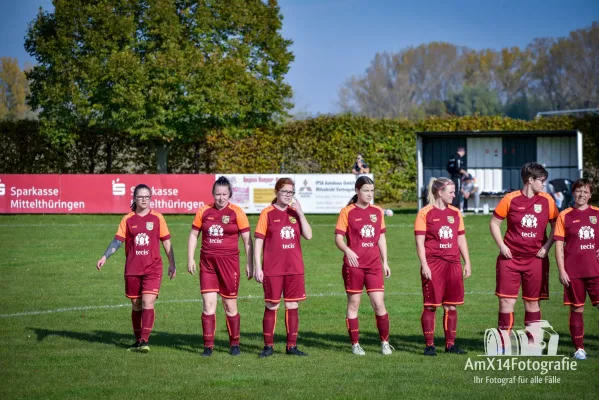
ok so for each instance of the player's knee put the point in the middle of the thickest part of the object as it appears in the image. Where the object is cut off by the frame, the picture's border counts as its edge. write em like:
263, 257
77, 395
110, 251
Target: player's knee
430, 308
531, 306
271, 306
291, 305
136, 304
577, 309
230, 308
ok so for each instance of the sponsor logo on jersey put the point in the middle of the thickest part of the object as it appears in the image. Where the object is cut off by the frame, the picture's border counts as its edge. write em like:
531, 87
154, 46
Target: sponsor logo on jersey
149, 226
529, 220
288, 233
292, 220
586, 233
367, 231
215, 230
450, 219
142, 239
593, 219
373, 217
445, 232
538, 208
225, 219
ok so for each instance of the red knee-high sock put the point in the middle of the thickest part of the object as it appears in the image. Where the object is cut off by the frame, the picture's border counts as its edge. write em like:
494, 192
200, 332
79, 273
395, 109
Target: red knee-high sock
353, 328
450, 326
147, 323
428, 326
382, 323
577, 329
208, 329
233, 328
505, 321
292, 324
268, 326
136, 321
531, 317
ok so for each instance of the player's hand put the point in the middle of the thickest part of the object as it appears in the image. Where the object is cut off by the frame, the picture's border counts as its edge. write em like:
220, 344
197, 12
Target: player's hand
101, 263
249, 271
258, 274
542, 252
426, 273
564, 278
352, 258
467, 270
172, 271
298, 207
505, 251
191, 267
387, 270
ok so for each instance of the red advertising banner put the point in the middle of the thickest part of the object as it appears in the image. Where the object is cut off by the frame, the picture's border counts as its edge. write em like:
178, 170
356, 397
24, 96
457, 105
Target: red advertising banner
102, 194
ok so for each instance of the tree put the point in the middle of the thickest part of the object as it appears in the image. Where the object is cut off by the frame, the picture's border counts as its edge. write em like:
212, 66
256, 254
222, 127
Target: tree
13, 90
473, 100
160, 70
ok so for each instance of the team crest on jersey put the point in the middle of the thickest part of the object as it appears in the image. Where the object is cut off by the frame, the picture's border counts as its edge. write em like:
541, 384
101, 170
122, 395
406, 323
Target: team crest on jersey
593, 219
373, 217
225, 219
538, 208
292, 220
149, 226
450, 219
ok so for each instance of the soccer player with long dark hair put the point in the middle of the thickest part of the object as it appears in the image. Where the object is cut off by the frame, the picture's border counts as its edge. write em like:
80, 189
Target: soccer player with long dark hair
440, 239
365, 261
576, 251
142, 230
522, 259
278, 232
221, 224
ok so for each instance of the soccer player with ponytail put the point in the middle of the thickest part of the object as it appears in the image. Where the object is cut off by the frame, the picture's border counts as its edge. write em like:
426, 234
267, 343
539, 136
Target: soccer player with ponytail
365, 262
440, 239
142, 230
278, 232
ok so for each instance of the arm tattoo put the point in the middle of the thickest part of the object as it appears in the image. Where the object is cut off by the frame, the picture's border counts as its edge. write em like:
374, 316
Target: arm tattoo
112, 248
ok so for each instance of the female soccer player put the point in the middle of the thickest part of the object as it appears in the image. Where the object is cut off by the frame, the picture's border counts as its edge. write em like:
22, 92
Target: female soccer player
522, 260
141, 230
278, 236
440, 239
221, 224
577, 259
364, 227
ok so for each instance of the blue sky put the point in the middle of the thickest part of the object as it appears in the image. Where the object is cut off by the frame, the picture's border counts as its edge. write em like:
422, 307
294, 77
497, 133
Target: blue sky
335, 39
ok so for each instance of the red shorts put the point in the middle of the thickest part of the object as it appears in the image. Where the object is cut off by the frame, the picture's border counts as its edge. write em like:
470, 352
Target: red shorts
292, 287
357, 278
575, 294
530, 273
136, 285
446, 286
220, 274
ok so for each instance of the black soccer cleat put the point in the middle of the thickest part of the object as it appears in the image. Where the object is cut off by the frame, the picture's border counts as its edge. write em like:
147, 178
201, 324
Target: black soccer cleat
234, 351
144, 346
455, 350
293, 350
267, 351
430, 351
135, 346
207, 352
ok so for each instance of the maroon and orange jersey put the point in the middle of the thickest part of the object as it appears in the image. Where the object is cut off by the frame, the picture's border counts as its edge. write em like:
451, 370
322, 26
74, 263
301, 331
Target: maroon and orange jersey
142, 236
527, 219
578, 228
441, 229
362, 227
281, 231
220, 228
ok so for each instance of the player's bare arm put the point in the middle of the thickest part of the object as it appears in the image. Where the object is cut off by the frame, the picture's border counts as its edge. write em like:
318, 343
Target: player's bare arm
248, 245
258, 274
383, 250
463, 246
170, 253
559, 257
306, 228
192, 243
352, 257
425, 271
495, 228
543, 251
112, 248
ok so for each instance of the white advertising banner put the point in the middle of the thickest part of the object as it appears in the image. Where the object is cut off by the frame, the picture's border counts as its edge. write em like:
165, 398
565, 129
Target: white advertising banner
317, 193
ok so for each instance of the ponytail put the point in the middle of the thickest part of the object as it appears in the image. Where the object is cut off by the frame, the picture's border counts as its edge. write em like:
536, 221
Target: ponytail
353, 200
435, 185
430, 196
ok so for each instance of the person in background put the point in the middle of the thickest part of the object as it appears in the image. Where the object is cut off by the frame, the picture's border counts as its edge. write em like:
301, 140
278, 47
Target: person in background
360, 166
470, 189
456, 166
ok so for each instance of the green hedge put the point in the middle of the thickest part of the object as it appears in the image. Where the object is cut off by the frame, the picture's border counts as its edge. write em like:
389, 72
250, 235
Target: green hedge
326, 144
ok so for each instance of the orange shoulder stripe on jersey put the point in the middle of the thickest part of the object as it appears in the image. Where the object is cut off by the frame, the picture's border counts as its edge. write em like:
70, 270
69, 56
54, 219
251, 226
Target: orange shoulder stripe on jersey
503, 207
420, 222
595, 208
262, 225
560, 226
197, 220
121, 232
553, 211
164, 233
242, 220
342, 221
382, 216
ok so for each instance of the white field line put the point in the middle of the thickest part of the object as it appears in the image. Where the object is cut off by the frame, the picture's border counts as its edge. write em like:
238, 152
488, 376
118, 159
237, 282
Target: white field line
199, 300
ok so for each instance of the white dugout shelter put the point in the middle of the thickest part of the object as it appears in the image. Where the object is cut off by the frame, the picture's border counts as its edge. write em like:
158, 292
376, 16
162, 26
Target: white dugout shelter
495, 158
